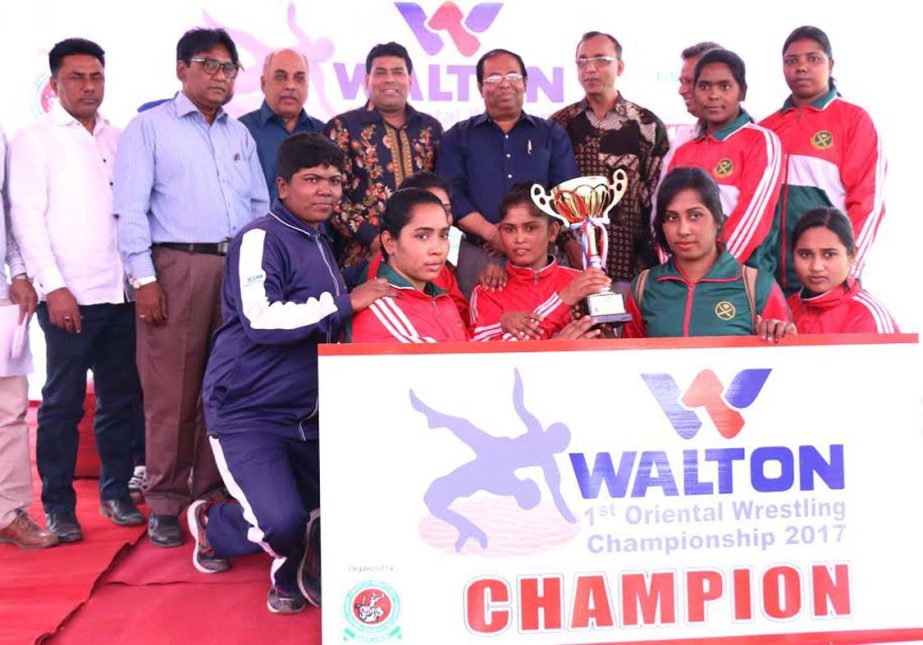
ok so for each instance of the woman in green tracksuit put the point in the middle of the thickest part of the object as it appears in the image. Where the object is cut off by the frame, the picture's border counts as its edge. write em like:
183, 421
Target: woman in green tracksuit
701, 290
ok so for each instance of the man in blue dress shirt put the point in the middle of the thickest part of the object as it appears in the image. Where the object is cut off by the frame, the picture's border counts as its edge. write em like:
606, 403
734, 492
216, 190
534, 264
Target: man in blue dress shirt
484, 156
285, 87
187, 180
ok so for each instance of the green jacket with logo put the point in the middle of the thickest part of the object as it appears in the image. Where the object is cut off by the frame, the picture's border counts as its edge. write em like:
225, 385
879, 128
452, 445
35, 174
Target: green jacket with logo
716, 305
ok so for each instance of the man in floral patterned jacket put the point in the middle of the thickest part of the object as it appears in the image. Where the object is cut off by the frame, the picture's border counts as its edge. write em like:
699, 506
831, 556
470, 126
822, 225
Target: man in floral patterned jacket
385, 141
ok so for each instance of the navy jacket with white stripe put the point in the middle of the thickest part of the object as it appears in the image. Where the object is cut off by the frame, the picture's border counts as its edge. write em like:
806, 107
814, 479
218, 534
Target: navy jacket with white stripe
282, 295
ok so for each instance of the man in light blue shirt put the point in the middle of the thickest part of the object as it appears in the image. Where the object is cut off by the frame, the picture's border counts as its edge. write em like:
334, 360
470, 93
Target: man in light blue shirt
187, 179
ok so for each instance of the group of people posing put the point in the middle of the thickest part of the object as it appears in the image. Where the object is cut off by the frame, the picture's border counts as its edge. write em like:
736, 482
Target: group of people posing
202, 260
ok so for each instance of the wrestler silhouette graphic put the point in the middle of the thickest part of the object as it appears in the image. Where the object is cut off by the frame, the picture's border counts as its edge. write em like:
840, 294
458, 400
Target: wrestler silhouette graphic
496, 460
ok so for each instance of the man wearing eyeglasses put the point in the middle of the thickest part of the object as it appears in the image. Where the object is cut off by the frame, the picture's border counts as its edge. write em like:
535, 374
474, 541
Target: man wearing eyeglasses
483, 157
187, 180
610, 132
385, 141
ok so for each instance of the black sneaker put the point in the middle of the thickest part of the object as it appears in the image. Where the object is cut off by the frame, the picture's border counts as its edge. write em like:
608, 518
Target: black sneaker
280, 601
309, 568
203, 555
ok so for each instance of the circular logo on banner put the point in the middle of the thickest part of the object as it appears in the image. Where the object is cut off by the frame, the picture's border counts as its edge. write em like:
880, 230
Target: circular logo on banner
724, 168
371, 609
725, 310
822, 140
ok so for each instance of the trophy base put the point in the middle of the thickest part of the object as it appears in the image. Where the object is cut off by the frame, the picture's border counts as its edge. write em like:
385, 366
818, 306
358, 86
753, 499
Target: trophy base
606, 307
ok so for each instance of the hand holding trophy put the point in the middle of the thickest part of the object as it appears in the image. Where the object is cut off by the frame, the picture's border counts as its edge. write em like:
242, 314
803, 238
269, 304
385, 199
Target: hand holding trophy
584, 203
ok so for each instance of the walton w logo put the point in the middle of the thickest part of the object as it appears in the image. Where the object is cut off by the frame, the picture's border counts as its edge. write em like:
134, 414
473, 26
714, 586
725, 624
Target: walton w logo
707, 392
449, 18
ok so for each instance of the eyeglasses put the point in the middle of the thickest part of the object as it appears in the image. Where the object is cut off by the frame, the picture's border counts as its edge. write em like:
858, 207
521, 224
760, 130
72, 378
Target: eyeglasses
496, 79
596, 61
211, 66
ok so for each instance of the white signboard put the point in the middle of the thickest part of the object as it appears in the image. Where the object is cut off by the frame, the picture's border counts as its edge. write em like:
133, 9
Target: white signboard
614, 494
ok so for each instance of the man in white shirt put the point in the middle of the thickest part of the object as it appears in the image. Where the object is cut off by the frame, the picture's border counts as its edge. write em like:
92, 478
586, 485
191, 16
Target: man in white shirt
16, 525
61, 207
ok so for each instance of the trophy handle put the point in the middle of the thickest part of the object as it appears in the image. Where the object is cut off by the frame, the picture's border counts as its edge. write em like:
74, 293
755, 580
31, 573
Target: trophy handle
543, 200
617, 188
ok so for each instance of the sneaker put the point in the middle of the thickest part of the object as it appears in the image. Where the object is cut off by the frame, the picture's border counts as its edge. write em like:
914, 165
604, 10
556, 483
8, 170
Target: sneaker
309, 568
280, 601
203, 556
136, 483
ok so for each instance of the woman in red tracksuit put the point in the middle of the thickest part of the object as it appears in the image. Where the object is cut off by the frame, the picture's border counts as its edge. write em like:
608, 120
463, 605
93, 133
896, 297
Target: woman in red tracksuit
831, 300
415, 243
744, 159
535, 303
833, 154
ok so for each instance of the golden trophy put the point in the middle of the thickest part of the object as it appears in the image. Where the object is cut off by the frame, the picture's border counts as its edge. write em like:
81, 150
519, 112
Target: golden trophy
583, 204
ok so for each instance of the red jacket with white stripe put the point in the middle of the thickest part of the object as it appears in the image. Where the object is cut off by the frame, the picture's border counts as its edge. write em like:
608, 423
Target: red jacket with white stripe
847, 309
745, 160
428, 316
833, 157
525, 290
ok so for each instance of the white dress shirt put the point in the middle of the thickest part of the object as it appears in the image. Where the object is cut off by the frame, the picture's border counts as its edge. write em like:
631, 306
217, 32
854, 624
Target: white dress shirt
9, 251
60, 190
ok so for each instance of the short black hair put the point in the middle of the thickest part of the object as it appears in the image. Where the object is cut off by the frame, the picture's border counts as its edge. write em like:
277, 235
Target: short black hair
807, 32
388, 49
200, 40
694, 51
307, 150
678, 180
499, 52
72, 47
399, 208
521, 195
612, 39
734, 62
830, 218
426, 180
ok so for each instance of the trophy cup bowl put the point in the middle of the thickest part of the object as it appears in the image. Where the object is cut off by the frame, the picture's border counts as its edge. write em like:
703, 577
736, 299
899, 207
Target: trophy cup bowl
584, 203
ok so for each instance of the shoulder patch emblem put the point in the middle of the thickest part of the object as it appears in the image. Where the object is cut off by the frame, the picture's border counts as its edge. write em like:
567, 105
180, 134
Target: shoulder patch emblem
822, 140
725, 310
724, 168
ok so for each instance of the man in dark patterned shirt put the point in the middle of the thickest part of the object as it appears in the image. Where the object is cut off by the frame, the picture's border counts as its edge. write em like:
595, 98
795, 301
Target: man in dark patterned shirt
385, 141
609, 132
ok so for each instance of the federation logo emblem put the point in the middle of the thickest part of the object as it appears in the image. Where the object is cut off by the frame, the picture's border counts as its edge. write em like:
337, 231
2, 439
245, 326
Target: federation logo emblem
725, 310
722, 405
371, 609
449, 18
724, 168
822, 140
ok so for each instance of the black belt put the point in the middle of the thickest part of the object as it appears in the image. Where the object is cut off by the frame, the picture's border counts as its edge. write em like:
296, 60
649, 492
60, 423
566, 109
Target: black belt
219, 248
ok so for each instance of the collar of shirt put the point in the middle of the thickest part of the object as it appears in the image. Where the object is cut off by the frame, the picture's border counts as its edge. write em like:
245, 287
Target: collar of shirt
726, 269
371, 114
724, 133
395, 279
185, 107
266, 114
484, 118
819, 104
528, 274
832, 298
619, 107
287, 217
61, 117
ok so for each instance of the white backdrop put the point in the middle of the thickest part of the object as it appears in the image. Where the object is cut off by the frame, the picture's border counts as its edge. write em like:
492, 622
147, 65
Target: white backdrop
872, 46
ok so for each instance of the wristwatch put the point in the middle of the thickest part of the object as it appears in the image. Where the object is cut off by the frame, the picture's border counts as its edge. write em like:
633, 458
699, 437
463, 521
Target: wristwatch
137, 283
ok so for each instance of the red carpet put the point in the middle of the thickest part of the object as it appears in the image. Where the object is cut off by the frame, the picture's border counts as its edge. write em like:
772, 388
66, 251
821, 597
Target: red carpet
115, 587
